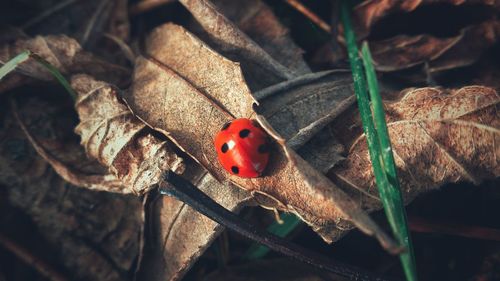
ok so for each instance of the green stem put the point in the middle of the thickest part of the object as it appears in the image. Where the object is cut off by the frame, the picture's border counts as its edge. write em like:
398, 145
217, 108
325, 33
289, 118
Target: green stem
379, 145
397, 216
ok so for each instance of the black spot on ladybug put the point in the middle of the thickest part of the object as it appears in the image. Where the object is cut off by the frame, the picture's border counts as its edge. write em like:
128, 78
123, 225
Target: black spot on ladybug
224, 148
226, 126
263, 148
244, 133
235, 169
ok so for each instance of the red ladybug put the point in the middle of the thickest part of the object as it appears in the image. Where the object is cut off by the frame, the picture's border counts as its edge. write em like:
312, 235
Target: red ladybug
242, 148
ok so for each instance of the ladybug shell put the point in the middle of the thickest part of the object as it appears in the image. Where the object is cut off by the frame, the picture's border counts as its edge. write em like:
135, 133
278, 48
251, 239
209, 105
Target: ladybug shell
242, 148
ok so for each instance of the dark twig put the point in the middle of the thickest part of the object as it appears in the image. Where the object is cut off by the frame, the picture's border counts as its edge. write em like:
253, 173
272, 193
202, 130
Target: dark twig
417, 224
24, 255
176, 186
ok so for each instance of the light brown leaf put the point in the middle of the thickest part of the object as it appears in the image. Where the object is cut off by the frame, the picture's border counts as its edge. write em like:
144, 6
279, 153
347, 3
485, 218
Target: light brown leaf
236, 45
181, 234
256, 19
62, 52
197, 232
162, 98
438, 137
119, 140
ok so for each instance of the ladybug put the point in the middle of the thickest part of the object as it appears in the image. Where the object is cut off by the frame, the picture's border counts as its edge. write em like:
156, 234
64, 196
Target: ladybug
242, 148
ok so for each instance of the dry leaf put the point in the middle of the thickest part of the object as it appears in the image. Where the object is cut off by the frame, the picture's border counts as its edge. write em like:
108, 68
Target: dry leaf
369, 12
119, 140
197, 232
62, 52
95, 235
164, 92
256, 19
438, 137
402, 52
182, 234
228, 39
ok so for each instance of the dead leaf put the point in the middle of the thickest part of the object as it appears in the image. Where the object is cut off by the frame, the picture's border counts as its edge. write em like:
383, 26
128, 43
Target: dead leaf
182, 234
62, 52
189, 239
162, 94
230, 41
402, 52
95, 235
369, 12
438, 136
116, 138
256, 19
99, 181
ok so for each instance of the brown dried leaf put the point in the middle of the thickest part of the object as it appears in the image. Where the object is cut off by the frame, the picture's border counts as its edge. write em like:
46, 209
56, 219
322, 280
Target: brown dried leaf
99, 181
330, 94
191, 116
182, 234
62, 52
119, 140
227, 38
367, 13
95, 235
257, 20
438, 137
402, 52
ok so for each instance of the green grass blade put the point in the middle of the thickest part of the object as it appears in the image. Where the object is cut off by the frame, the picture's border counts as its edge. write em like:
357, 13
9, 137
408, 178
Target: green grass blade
13, 63
396, 216
290, 222
24, 56
55, 72
378, 144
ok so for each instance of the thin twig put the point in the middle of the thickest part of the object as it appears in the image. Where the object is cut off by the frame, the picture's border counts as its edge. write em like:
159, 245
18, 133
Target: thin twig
124, 47
146, 6
24, 255
310, 15
418, 224
47, 13
176, 186
91, 23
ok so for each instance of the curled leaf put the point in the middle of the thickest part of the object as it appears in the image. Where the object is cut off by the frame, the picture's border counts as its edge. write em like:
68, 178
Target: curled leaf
119, 140
93, 235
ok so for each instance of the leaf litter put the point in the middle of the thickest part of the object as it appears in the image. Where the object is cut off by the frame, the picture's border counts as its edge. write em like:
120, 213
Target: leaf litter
220, 90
